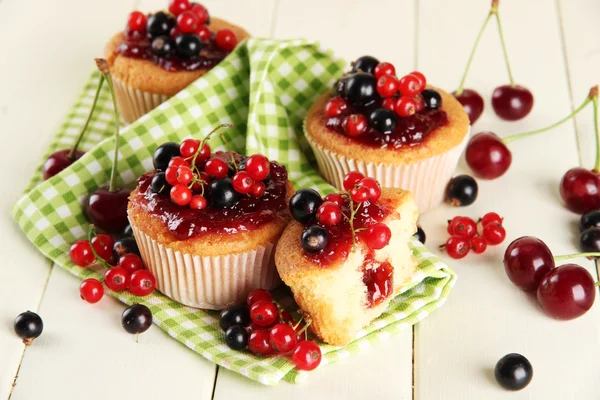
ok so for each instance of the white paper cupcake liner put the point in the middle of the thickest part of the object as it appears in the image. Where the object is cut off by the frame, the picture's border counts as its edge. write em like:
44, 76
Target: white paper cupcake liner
207, 282
426, 179
134, 103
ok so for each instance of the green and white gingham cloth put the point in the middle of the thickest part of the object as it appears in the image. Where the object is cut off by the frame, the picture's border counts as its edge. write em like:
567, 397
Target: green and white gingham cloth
264, 88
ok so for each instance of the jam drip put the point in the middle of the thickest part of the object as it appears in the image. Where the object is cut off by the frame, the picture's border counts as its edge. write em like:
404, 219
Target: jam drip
248, 214
379, 280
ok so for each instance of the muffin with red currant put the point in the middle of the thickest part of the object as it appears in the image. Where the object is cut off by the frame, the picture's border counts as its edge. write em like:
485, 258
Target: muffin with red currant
347, 255
207, 224
159, 54
398, 130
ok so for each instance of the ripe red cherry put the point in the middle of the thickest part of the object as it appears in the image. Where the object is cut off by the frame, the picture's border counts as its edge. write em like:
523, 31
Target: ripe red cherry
478, 245
131, 262
217, 168
355, 124
201, 12
567, 292
580, 190
512, 103
487, 156
258, 166
58, 161
258, 189
387, 85
91, 290
242, 182
136, 21
378, 236
142, 283
472, 102
457, 247
117, 279
373, 187
526, 261
494, 233
410, 85
198, 202
226, 39
359, 194
384, 68
405, 106
188, 22
81, 253
181, 194
306, 355
178, 6
335, 199
283, 338
108, 210
258, 295
351, 179
335, 107
263, 313
189, 147
103, 245
259, 342
329, 213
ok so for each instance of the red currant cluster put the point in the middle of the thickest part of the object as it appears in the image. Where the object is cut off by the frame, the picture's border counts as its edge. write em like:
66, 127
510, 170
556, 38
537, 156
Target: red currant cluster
464, 235
265, 328
128, 273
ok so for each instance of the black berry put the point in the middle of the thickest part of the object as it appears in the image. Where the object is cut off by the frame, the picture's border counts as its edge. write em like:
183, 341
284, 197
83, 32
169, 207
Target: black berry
513, 372
237, 314
461, 191
304, 204
188, 45
159, 24
163, 154
222, 193
162, 46
28, 326
159, 183
360, 89
432, 99
123, 246
382, 120
136, 319
589, 240
589, 220
420, 235
236, 337
366, 64
314, 239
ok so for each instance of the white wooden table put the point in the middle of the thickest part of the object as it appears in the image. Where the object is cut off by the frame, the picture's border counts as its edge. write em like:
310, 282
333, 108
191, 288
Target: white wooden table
47, 52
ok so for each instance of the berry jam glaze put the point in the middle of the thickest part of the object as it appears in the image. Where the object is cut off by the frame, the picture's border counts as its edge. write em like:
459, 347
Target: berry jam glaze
410, 131
140, 47
248, 214
379, 281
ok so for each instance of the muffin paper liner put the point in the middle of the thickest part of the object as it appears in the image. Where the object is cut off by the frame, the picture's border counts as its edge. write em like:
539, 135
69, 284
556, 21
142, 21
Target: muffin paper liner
426, 179
264, 88
133, 103
210, 283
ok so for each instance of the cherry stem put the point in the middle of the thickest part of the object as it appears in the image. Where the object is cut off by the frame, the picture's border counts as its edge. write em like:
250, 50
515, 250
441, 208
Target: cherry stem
470, 60
510, 76
595, 105
103, 67
87, 121
578, 255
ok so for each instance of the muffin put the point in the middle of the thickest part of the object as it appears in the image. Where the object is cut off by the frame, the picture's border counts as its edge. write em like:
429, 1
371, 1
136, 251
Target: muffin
400, 131
158, 55
210, 245
342, 281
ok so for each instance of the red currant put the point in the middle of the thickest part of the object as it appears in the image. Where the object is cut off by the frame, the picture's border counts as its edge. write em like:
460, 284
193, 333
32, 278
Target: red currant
283, 338
226, 39
457, 247
198, 202
258, 166
175, 32
259, 342
354, 124
184, 175
421, 78
405, 106
171, 175
478, 245
351, 179
373, 187
142, 283
359, 194
204, 154
136, 21
263, 313
409, 85
103, 245
286, 318
131, 262
181, 194
452, 223
187, 22
258, 295
335, 107
494, 233
378, 236
81, 253
216, 168
242, 182
178, 6
387, 86
389, 104
204, 33
465, 227
306, 355
419, 103
335, 199
91, 290
329, 213
117, 279
201, 12
189, 147
178, 161
258, 189
384, 68
491, 217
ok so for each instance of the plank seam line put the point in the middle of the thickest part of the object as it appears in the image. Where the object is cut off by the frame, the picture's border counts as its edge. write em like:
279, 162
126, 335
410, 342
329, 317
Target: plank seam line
212, 397
273, 18
416, 33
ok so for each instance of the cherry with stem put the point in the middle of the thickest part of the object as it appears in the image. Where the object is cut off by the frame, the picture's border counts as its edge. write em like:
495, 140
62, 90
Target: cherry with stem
107, 206
61, 159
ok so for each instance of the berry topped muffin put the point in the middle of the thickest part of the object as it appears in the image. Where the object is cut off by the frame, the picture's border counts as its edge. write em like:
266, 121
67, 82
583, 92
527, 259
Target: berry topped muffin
158, 55
207, 224
398, 130
347, 255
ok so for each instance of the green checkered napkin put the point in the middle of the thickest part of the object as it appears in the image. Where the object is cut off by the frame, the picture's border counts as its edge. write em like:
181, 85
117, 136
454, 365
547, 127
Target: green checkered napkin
264, 88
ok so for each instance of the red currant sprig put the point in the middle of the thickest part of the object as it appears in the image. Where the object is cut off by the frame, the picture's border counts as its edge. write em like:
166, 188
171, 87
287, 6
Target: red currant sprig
464, 235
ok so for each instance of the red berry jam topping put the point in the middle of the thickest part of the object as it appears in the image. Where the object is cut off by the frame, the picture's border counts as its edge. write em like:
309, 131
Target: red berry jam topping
378, 109
178, 40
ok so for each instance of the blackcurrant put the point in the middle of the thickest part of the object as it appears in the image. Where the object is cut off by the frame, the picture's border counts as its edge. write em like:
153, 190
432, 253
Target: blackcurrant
236, 337
188, 45
128, 231
237, 314
589, 220
163, 154
304, 204
513, 372
315, 238
366, 64
159, 183
28, 326
382, 120
589, 240
432, 99
360, 89
159, 24
338, 87
231, 171
136, 319
162, 46
222, 194
123, 246
461, 191
420, 235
